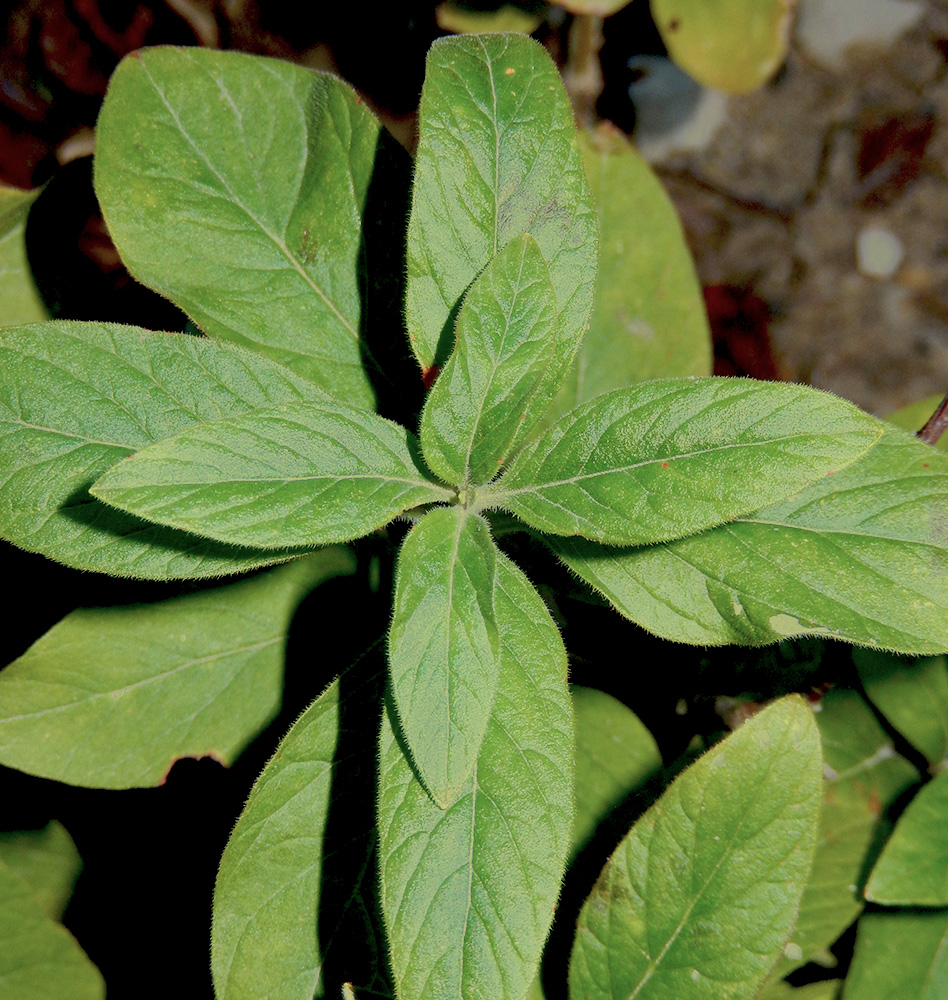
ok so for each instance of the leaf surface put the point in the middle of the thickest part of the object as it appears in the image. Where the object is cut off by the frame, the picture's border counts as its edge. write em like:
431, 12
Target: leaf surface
39, 958
75, 398
648, 319
496, 385
700, 897
669, 458
47, 860
295, 895
468, 892
900, 955
861, 555
444, 650
497, 157
111, 697
236, 186
18, 292
731, 45
301, 474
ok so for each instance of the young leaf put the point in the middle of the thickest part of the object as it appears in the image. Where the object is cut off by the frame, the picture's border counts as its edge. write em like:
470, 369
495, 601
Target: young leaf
134, 688
47, 860
443, 646
295, 893
468, 892
861, 556
665, 459
900, 955
825, 989
75, 398
912, 694
913, 868
700, 897
21, 301
307, 473
39, 958
497, 157
236, 185
731, 45
496, 386
648, 319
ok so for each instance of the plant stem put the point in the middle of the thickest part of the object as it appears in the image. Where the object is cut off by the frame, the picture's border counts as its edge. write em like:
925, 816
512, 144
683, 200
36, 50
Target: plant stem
582, 75
936, 425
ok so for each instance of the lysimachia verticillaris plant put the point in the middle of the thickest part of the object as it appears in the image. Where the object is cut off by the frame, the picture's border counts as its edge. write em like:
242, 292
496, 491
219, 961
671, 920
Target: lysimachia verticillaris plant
257, 195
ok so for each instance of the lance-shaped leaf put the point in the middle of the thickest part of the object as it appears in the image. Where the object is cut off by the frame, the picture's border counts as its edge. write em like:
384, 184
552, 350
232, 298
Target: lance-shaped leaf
309, 473
443, 645
468, 892
669, 458
731, 45
236, 186
496, 385
700, 897
497, 157
21, 301
913, 868
47, 860
39, 957
900, 955
75, 398
861, 555
295, 900
648, 319
111, 697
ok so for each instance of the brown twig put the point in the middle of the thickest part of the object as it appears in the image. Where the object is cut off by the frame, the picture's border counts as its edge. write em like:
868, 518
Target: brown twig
936, 425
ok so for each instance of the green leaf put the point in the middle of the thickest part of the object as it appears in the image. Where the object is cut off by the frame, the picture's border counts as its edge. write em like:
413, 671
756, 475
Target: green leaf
112, 697
39, 958
900, 955
443, 646
700, 897
648, 319
863, 777
464, 17
47, 860
913, 868
468, 892
75, 398
306, 473
496, 385
731, 45
861, 555
18, 293
296, 890
669, 458
826, 989
914, 416
913, 696
497, 157
615, 754
236, 186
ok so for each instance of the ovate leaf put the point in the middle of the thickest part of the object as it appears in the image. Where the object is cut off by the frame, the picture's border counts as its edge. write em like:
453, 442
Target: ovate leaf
75, 398
444, 646
47, 860
497, 157
39, 958
700, 897
468, 892
21, 301
912, 694
309, 473
913, 868
861, 555
648, 319
669, 458
496, 385
295, 898
111, 697
900, 955
236, 186
731, 45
